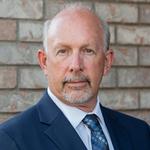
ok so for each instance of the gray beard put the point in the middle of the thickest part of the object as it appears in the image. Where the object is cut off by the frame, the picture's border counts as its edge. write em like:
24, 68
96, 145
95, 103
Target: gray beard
78, 97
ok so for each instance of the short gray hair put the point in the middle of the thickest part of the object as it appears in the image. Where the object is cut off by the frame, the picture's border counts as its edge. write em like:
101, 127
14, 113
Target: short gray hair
78, 6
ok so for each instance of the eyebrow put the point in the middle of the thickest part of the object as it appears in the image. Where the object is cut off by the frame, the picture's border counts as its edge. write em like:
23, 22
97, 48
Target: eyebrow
61, 45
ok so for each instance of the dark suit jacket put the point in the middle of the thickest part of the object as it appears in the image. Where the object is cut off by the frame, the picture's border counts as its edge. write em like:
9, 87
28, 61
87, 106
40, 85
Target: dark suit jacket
44, 127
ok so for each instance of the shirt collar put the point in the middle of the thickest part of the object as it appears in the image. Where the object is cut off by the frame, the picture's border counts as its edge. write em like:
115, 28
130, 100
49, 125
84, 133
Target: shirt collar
73, 114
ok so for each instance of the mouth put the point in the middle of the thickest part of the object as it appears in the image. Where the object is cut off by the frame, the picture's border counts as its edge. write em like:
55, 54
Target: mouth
77, 84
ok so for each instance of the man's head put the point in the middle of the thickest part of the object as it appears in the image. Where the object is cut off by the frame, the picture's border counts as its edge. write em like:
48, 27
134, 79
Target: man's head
75, 58
78, 6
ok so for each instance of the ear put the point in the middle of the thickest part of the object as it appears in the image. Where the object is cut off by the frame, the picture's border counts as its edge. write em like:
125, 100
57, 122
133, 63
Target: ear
109, 57
42, 57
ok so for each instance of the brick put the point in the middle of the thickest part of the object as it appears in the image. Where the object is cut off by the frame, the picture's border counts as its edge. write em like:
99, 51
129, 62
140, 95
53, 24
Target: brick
145, 99
8, 77
17, 101
109, 80
133, 35
125, 56
119, 99
30, 31
32, 78
29, 9
134, 77
21, 53
112, 33
144, 55
145, 13
114, 12
133, 0
53, 7
141, 114
7, 30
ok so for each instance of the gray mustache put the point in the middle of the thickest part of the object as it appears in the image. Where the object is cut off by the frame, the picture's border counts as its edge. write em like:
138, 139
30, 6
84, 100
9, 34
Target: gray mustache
76, 78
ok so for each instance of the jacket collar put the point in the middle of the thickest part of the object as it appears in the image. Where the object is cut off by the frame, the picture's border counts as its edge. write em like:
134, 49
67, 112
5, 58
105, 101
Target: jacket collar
59, 130
118, 133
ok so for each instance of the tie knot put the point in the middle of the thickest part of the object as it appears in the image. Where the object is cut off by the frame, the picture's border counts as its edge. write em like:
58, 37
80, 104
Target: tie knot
92, 122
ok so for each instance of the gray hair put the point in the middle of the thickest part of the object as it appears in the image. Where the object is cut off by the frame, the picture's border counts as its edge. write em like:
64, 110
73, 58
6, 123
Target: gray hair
78, 6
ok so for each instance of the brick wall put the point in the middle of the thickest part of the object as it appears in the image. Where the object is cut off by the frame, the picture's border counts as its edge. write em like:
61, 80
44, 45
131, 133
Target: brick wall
126, 88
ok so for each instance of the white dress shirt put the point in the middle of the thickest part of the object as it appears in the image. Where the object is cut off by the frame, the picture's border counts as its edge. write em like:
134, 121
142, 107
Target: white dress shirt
75, 117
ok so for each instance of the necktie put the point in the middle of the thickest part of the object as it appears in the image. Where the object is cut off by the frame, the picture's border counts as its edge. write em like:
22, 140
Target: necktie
98, 138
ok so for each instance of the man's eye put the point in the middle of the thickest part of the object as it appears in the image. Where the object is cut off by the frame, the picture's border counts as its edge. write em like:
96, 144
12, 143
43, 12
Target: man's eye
89, 51
62, 52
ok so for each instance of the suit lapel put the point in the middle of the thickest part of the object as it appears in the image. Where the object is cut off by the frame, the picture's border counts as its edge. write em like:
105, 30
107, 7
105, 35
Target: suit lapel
118, 133
59, 129
64, 135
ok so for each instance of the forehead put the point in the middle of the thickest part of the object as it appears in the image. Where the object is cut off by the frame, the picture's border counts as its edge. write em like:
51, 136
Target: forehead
76, 25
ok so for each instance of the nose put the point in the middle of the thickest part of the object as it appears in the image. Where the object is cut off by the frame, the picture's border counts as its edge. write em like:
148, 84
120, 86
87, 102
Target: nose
76, 63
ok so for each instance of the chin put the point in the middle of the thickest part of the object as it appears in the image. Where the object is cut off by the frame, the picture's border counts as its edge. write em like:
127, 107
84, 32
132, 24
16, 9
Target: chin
78, 97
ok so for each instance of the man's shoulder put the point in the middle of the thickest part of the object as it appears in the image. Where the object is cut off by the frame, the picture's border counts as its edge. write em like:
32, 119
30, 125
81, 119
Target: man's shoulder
125, 119
25, 118
20, 120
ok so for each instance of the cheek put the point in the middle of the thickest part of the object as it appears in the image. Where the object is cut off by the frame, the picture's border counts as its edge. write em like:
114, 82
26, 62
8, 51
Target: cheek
56, 71
95, 71
55, 78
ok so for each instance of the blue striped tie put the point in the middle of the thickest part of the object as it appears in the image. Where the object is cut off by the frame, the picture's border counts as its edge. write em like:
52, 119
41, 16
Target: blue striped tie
98, 138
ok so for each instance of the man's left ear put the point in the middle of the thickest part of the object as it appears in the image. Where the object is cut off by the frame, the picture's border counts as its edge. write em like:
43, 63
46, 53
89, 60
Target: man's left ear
109, 57
42, 60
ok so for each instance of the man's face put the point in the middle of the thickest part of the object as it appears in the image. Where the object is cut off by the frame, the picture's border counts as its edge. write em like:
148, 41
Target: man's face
75, 60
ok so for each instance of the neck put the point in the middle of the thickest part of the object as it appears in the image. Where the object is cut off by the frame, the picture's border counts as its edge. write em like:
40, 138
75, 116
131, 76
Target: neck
86, 107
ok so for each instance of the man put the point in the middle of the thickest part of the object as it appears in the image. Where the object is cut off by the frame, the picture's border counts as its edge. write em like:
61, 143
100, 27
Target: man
76, 56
